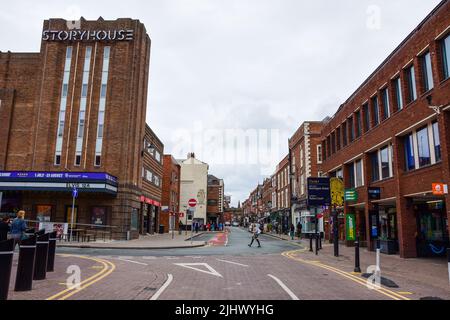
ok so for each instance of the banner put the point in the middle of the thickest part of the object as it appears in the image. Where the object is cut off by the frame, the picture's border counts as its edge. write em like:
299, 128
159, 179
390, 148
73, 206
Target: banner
351, 226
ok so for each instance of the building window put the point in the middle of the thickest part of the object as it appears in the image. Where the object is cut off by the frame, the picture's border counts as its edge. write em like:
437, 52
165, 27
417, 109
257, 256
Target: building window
366, 117
157, 156
427, 72
423, 147
156, 180
386, 105
98, 160
333, 142
344, 134
149, 175
319, 154
375, 167
351, 129
436, 142
409, 153
359, 174
385, 163
411, 79
397, 84
57, 160
340, 173
351, 175
446, 57
338, 138
375, 111
358, 124
78, 159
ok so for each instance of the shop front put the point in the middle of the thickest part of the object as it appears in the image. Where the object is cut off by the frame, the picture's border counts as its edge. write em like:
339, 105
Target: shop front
383, 226
151, 216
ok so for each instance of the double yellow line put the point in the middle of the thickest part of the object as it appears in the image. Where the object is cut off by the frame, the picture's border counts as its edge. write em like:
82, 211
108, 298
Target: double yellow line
107, 268
389, 293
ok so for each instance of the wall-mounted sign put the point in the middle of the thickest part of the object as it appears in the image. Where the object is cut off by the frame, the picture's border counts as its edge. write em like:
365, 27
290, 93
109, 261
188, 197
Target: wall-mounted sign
351, 195
54, 176
319, 192
351, 226
88, 35
374, 193
337, 192
440, 189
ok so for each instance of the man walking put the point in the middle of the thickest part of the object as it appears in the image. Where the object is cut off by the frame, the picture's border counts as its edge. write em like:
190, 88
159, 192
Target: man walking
256, 233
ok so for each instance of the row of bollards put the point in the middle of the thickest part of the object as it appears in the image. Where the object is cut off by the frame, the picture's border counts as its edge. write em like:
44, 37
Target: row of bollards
36, 258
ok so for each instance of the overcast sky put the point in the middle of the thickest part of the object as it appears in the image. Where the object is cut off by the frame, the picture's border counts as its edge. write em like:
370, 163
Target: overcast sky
240, 64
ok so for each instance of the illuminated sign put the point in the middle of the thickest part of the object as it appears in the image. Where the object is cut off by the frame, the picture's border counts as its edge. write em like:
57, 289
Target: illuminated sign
88, 35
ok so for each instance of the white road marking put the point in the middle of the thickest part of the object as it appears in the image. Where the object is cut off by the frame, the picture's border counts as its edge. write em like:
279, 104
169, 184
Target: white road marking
207, 266
131, 261
164, 287
238, 264
172, 258
149, 258
285, 288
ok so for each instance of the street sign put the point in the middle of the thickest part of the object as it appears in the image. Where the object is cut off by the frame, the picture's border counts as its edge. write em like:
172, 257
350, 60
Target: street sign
440, 189
319, 192
374, 193
192, 203
75, 193
337, 192
181, 215
351, 195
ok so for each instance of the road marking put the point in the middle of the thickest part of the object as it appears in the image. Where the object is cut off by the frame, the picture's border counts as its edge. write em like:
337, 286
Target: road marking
285, 288
108, 268
391, 294
405, 293
207, 266
238, 264
149, 258
164, 287
132, 261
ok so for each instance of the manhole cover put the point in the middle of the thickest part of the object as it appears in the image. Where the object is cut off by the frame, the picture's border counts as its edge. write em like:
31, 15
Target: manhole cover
431, 298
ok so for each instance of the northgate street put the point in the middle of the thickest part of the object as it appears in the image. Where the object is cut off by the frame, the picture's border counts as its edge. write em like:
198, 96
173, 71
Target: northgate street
227, 269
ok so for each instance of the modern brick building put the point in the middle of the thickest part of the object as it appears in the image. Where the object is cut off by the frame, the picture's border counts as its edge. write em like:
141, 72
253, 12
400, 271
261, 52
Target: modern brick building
281, 212
170, 193
390, 147
73, 115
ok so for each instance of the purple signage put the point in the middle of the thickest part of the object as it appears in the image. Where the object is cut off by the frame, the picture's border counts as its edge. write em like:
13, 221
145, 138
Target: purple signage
57, 175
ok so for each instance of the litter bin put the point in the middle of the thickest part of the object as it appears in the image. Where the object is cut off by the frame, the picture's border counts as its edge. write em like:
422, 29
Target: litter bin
25, 267
6, 260
161, 229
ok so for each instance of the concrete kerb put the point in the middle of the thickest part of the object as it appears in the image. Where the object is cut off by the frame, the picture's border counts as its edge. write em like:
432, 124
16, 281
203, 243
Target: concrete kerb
84, 246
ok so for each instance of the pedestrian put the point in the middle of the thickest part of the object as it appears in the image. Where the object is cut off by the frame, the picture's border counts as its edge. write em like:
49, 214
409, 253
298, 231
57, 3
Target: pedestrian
180, 227
292, 231
299, 230
4, 229
256, 233
221, 226
18, 227
208, 226
197, 225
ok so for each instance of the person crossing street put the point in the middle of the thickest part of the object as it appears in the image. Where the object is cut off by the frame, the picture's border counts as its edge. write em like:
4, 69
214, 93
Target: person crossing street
256, 233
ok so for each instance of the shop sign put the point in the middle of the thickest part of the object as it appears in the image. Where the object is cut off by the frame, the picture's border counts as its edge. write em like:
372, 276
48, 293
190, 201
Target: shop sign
374, 193
88, 35
337, 192
319, 192
351, 195
440, 189
351, 226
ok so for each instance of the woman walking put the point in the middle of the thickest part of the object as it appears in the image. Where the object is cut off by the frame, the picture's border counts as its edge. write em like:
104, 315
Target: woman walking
18, 227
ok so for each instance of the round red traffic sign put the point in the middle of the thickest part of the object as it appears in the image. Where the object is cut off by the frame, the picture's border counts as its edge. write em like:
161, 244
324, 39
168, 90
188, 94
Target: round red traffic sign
192, 203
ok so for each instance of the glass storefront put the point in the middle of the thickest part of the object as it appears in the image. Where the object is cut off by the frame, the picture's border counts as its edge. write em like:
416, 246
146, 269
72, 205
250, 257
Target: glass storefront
432, 229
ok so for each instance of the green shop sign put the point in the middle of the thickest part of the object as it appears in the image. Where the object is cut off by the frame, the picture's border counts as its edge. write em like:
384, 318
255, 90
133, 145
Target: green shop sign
351, 226
351, 195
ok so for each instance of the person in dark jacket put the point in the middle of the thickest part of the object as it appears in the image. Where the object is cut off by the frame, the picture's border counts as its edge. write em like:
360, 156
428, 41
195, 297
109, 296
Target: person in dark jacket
18, 227
4, 229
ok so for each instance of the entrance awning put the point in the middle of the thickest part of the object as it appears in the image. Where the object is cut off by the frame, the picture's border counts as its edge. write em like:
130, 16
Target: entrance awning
58, 181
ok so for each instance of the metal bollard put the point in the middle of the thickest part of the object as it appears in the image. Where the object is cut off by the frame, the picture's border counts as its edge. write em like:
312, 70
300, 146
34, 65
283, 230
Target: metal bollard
40, 267
25, 268
6, 260
310, 243
51, 252
357, 266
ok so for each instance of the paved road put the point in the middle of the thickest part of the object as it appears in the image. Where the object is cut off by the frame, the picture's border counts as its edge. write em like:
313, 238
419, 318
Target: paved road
226, 270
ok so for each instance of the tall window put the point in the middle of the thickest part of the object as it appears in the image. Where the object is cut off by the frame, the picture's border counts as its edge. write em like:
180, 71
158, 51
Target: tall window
427, 72
386, 105
83, 103
102, 106
358, 123
351, 129
411, 79
351, 174
333, 142
319, 154
344, 134
409, 153
375, 167
423, 147
338, 138
358, 174
445, 46
397, 84
436, 142
63, 105
375, 111
366, 117
385, 163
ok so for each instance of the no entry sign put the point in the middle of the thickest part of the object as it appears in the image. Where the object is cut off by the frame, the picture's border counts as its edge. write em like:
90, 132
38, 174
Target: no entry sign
192, 203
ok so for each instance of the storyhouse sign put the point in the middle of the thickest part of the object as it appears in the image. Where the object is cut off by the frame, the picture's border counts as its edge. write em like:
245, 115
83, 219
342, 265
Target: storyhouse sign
88, 35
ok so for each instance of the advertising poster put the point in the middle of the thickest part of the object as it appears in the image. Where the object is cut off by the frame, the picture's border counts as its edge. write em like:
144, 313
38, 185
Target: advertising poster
98, 217
351, 227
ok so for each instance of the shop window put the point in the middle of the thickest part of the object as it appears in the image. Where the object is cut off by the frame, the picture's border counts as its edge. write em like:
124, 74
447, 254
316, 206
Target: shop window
445, 48
409, 153
437, 142
432, 222
44, 213
423, 147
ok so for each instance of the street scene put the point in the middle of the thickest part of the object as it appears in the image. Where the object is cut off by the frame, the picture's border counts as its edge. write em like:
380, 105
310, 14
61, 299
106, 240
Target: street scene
248, 151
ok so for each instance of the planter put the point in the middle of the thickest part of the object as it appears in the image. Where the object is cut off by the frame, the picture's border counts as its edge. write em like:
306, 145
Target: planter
388, 246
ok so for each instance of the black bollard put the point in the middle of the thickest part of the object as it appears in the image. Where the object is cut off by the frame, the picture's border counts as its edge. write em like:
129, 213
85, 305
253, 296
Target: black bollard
357, 266
25, 268
6, 260
40, 267
310, 243
51, 252
317, 244
320, 241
